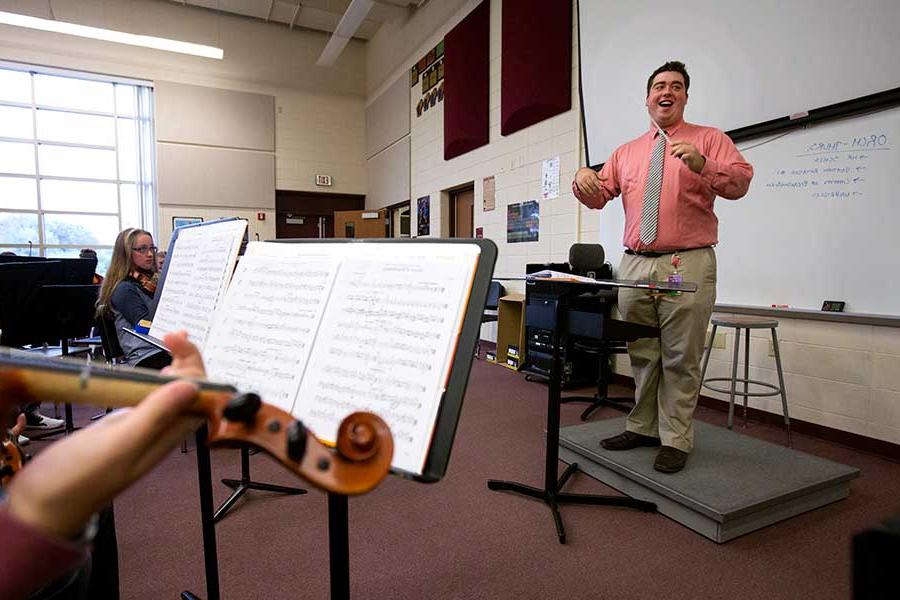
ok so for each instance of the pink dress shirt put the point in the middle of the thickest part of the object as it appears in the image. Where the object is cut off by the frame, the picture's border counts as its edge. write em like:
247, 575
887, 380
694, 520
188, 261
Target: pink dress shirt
686, 217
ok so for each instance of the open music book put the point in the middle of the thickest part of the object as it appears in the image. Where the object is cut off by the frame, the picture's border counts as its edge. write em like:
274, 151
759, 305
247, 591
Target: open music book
323, 329
198, 268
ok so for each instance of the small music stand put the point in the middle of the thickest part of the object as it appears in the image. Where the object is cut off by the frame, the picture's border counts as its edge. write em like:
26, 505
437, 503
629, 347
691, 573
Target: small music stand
551, 493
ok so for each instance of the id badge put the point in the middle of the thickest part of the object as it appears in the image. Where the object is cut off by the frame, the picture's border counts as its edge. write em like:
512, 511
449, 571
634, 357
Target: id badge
675, 276
677, 279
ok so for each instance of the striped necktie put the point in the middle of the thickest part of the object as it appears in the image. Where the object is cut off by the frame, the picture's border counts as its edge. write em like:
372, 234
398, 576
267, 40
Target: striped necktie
650, 206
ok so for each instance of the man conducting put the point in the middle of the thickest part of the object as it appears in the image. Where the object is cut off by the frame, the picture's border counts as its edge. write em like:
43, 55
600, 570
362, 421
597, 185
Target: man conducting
668, 178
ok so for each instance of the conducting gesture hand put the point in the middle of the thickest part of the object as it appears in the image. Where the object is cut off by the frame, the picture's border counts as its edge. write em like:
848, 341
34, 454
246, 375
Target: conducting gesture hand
689, 154
587, 184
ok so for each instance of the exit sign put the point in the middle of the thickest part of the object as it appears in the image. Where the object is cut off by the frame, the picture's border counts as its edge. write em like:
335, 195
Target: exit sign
323, 179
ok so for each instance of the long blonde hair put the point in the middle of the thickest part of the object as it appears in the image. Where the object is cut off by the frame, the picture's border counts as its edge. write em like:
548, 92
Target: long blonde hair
120, 266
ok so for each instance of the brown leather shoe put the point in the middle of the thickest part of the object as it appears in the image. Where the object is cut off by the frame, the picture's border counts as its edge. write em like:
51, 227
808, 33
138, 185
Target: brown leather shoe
670, 460
628, 440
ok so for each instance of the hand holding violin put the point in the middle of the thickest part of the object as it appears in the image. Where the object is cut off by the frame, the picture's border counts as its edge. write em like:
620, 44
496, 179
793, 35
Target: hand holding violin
69, 481
72, 479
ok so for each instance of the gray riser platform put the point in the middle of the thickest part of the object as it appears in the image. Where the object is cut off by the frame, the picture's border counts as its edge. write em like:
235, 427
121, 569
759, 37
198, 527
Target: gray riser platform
733, 484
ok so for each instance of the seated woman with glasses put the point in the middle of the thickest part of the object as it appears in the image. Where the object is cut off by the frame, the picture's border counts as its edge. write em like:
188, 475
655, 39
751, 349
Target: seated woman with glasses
127, 295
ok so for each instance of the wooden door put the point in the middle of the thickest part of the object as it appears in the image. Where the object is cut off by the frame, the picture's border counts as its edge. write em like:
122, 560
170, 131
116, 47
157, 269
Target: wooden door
462, 210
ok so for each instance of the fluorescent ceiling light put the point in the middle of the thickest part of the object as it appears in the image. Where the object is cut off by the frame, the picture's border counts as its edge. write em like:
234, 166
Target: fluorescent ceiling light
353, 17
108, 35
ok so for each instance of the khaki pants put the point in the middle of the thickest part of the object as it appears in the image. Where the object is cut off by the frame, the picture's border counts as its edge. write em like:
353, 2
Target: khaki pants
667, 369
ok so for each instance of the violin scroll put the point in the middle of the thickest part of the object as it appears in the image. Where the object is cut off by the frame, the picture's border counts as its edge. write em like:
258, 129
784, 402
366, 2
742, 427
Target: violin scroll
361, 459
359, 436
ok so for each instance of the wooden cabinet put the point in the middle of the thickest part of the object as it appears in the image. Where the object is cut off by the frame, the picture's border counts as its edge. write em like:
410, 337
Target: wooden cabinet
511, 331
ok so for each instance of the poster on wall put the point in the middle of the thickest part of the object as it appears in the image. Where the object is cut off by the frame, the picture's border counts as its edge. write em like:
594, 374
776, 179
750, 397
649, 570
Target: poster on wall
430, 69
423, 215
523, 222
182, 221
489, 193
550, 178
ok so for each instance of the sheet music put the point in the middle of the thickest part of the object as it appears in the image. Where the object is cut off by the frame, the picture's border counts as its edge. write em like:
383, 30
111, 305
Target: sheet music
386, 343
324, 330
197, 276
263, 332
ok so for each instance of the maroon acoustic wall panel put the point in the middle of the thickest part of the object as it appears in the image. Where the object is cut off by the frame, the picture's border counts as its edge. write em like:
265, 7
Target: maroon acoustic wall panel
466, 78
536, 62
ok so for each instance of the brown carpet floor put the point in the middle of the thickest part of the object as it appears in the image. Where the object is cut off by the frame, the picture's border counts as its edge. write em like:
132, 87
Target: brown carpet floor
457, 540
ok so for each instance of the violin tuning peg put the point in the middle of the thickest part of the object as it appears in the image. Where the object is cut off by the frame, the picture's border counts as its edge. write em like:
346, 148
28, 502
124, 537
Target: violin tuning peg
242, 408
296, 440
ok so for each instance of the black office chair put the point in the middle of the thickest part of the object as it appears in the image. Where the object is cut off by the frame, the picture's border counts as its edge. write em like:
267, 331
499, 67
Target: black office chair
113, 353
491, 308
588, 260
109, 341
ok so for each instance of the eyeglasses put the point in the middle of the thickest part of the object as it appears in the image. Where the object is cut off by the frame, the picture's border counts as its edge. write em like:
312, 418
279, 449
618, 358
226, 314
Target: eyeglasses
144, 249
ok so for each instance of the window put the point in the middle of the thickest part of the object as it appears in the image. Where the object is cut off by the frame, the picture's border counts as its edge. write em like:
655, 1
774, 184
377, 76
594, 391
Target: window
76, 162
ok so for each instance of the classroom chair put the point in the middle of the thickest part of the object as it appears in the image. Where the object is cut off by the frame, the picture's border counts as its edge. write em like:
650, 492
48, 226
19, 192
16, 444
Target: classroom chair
588, 260
491, 307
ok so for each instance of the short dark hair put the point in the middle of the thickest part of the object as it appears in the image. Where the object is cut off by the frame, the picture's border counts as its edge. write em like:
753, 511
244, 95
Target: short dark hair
672, 65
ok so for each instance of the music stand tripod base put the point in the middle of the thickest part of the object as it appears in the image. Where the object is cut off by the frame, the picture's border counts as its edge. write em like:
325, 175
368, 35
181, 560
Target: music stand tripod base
553, 497
598, 403
245, 483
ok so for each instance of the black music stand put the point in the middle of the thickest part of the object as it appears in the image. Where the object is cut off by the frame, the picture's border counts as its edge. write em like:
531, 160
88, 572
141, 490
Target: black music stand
70, 311
338, 546
47, 313
19, 284
438, 456
57, 313
207, 519
550, 494
245, 483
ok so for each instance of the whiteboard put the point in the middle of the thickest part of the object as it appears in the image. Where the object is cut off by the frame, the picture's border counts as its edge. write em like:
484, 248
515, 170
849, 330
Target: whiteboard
749, 62
820, 221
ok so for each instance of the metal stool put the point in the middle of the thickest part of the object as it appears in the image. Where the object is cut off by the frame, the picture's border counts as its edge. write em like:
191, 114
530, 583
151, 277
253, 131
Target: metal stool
747, 323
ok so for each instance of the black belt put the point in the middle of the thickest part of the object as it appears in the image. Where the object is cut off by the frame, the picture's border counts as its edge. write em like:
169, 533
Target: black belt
650, 254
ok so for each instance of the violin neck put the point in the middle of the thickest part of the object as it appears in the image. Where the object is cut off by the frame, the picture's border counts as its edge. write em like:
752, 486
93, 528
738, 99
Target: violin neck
103, 392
